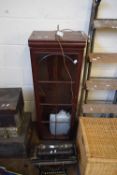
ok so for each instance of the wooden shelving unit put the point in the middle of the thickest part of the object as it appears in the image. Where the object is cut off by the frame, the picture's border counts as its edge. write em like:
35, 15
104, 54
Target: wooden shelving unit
92, 58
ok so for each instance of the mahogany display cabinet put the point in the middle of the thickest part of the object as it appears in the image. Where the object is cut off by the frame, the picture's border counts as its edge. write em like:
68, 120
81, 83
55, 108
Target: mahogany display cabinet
56, 67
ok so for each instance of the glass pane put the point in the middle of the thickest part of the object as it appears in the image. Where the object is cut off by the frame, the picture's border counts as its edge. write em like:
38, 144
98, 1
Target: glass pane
56, 93
56, 67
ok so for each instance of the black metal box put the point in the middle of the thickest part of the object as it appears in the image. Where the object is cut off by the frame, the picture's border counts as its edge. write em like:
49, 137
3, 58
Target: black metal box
17, 146
11, 107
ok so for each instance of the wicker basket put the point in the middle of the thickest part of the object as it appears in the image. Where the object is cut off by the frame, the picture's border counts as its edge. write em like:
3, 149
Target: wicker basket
97, 142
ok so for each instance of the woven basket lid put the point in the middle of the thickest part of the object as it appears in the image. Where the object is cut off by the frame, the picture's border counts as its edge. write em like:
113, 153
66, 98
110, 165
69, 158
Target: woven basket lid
100, 138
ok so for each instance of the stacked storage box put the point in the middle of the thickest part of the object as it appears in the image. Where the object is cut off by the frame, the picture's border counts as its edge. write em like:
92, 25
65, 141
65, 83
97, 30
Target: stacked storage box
97, 142
14, 123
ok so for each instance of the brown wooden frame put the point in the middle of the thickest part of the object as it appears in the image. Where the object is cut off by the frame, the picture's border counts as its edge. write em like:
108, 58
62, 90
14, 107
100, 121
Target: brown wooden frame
47, 43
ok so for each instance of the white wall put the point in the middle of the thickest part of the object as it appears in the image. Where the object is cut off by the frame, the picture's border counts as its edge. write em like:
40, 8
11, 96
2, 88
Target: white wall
18, 18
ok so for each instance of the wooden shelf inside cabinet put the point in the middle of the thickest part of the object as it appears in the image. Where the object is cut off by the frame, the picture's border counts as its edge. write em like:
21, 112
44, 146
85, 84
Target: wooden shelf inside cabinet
56, 67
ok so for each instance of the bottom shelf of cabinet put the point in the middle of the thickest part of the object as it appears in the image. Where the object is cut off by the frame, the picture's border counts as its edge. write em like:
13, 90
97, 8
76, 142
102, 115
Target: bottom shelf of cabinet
55, 121
54, 131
